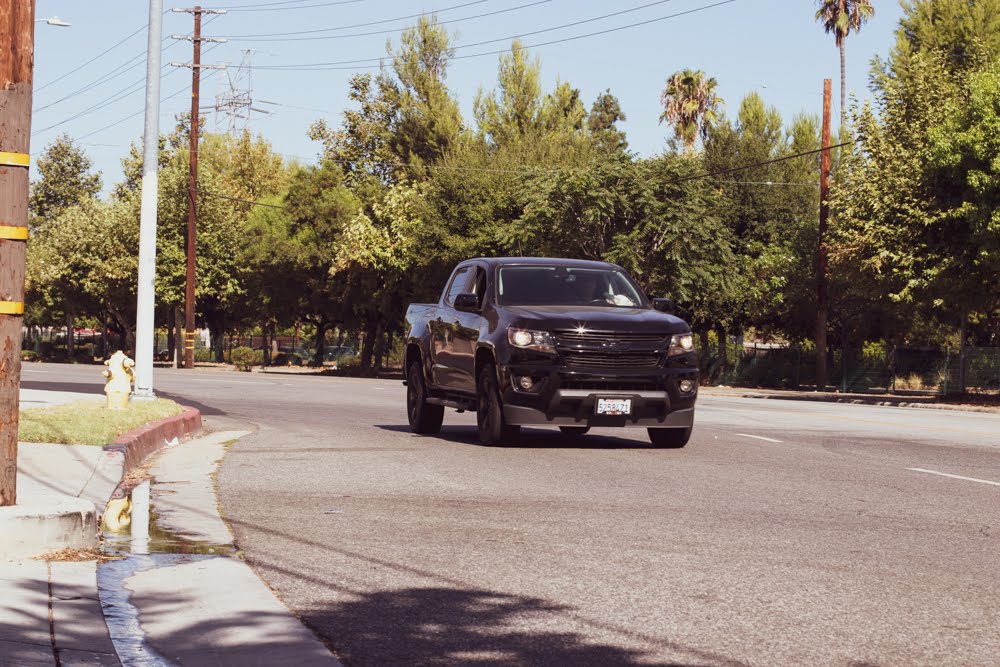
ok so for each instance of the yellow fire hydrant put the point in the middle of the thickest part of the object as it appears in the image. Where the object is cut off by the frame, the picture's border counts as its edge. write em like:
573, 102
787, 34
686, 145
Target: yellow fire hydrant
118, 386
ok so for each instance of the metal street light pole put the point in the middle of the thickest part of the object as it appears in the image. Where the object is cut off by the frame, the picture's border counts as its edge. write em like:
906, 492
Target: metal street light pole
146, 300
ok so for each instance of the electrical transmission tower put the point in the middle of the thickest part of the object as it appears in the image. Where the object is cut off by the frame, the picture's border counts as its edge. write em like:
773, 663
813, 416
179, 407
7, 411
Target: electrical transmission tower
236, 103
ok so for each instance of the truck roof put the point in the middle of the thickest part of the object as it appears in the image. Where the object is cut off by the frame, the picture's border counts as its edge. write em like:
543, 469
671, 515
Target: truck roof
543, 261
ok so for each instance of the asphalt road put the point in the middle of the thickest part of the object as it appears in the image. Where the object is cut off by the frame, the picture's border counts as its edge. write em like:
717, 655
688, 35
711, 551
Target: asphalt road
785, 533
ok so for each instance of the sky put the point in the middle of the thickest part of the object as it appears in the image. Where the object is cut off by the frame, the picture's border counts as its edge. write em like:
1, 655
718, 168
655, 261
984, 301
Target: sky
89, 77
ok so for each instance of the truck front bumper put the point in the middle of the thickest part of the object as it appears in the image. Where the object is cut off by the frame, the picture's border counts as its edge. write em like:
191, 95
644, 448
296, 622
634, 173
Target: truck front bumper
576, 407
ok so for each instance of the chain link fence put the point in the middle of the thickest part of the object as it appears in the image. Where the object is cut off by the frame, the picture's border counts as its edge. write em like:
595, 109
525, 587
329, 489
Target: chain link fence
924, 371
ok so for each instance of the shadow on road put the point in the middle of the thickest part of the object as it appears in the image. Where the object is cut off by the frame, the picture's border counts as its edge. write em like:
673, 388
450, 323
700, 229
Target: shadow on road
529, 438
94, 387
447, 626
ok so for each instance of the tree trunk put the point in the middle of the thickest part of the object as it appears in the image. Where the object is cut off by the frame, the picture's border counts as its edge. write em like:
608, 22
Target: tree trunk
171, 338
69, 336
843, 86
379, 345
320, 343
720, 336
368, 345
177, 354
961, 353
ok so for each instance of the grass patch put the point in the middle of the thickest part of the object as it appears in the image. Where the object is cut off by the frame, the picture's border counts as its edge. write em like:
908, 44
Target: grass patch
90, 422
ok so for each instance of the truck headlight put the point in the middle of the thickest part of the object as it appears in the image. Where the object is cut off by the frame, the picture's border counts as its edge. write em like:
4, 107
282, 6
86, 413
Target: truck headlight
681, 344
526, 339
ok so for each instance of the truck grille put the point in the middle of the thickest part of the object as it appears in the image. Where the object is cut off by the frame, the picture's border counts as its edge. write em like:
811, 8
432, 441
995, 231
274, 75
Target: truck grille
610, 385
599, 360
571, 336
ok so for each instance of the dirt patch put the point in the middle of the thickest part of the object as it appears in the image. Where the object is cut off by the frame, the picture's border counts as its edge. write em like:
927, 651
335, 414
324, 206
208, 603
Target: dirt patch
76, 555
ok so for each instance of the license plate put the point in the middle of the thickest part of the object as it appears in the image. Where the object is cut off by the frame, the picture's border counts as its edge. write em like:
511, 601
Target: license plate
614, 406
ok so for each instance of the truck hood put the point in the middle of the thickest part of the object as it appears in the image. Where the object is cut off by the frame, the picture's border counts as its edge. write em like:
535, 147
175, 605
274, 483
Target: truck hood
597, 318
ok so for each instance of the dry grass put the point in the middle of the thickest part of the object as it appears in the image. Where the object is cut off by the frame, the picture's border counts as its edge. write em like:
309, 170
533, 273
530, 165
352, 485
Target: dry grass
89, 422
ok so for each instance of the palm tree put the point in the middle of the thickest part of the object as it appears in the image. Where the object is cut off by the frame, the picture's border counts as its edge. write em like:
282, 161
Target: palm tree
690, 105
842, 17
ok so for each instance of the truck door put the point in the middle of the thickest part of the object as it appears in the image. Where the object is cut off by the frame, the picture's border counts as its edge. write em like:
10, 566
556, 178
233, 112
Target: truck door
466, 335
442, 329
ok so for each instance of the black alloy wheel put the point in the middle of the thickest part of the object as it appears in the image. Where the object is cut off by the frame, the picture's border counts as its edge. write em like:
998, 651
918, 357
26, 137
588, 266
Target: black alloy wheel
492, 428
424, 417
669, 438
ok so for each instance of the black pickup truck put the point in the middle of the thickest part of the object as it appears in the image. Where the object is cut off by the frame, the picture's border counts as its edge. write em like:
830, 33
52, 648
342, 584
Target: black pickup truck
536, 341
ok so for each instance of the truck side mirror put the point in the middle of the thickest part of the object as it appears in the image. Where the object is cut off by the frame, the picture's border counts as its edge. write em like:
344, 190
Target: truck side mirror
467, 303
664, 306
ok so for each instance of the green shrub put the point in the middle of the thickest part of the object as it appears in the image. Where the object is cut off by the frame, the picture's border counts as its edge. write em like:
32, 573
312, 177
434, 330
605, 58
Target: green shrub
202, 355
287, 359
28, 355
244, 358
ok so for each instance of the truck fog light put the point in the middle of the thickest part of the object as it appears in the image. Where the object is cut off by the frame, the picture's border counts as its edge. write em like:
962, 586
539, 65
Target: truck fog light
686, 386
525, 382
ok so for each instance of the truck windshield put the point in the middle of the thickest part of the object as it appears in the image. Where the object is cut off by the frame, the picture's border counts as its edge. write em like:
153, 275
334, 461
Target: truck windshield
565, 286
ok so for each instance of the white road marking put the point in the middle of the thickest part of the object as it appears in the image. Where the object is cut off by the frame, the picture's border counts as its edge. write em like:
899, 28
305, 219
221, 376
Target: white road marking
230, 381
944, 474
758, 437
26, 371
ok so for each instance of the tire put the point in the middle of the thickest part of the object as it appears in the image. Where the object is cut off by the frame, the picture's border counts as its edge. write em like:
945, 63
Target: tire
424, 418
574, 430
669, 438
492, 428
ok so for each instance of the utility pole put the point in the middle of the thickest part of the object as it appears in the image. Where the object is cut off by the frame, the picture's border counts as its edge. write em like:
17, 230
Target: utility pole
17, 35
145, 311
822, 292
192, 231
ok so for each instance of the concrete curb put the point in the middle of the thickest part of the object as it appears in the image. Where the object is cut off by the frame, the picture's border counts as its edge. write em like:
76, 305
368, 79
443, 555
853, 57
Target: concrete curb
39, 525
137, 445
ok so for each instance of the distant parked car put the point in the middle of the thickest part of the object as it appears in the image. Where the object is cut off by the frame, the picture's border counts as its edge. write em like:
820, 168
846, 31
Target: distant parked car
334, 352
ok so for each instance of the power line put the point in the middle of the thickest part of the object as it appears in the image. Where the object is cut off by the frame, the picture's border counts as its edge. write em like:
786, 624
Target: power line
98, 56
383, 32
311, 67
122, 120
356, 25
245, 201
284, 2
118, 96
283, 9
104, 78
756, 164
108, 76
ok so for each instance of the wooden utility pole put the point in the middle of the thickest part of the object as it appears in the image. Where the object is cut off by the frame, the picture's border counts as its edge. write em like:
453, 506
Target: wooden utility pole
192, 230
822, 292
17, 49
192, 239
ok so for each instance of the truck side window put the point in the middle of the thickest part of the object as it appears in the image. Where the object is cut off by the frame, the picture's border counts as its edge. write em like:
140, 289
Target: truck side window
458, 283
479, 284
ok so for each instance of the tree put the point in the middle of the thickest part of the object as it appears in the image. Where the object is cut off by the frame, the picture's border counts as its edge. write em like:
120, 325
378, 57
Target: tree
65, 179
964, 30
842, 17
426, 118
690, 105
298, 236
513, 110
915, 203
603, 120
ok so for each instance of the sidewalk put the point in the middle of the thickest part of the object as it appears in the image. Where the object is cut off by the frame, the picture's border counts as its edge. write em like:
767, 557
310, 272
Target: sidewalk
896, 400
151, 606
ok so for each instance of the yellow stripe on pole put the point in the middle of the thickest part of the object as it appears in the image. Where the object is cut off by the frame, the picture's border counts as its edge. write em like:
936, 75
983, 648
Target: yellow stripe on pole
15, 159
11, 307
13, 233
